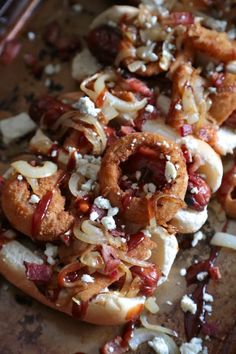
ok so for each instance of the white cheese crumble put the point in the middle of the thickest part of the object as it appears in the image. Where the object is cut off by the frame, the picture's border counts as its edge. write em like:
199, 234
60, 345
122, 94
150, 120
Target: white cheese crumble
108, 222
159, 345
51, 69
188, 305
208, 297
202, 275
183, 272
31, 36
93, 216
207, 308
170, 172
87, 186
113, 211
51, 252
146, 232
34, 199
102, 203
193, 347
198, 236
20, 178
86, 278
86, 106
149, 108
77, 8
88, 166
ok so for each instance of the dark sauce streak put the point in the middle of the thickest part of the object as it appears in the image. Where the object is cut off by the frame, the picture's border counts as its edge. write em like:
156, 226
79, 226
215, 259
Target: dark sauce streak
79, 311
193, 323
40, 212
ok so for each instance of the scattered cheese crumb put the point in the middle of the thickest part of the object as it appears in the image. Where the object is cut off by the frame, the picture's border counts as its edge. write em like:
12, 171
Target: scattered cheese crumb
188, 305
170, 171
93, 216
159, 345
108, 222
193, 347
113, 211
102, 203
183, 272
197, 237
208, 297
202, 275
51, 252
86, 278
20, 178
86, 106
51, 69
34, 199
149, 108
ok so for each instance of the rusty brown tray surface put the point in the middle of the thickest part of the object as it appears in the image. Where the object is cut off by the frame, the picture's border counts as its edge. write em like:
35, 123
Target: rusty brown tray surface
27, 327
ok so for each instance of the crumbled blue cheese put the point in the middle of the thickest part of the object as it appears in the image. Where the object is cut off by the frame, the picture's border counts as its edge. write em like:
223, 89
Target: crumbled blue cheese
108, 222
113, 211
183, 272
86, 106
51, 253
208, 297
198, 236
86, 278
102, 203
51, 69
93, 216
193, 347
34, 199
159, 345
202, 275
188, 305
149, 108
170, 171
16, 127
87, 186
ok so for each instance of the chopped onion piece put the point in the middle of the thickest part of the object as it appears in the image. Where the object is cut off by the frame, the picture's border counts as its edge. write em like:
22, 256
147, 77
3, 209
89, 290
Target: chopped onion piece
151, 305
223, 239
124, 106
142, 335
25, 169
33, 182
89, 233
143, 320
92, 259
74, 184
132, 261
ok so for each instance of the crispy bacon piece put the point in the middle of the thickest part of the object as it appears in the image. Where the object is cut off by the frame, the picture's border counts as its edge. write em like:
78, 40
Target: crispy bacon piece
197, 199
41, 273
139, 247
111, 260
179, 18
149, 278
213, 43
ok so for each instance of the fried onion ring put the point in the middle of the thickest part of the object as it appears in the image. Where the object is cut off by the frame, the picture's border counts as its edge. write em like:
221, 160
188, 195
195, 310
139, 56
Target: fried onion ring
166, 201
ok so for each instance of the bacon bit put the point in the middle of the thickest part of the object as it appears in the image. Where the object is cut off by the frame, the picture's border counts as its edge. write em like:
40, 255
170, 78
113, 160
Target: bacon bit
149, 277
79, 311
126, 130
36, 69
217, 79
67, 239
215, 273
104, 42
114, 346
41, 273
40, 212
179, 18
49, 108
126, 200
138, 86
135, 240
186, 129
10, 52
201, 198
111, 261
111, 135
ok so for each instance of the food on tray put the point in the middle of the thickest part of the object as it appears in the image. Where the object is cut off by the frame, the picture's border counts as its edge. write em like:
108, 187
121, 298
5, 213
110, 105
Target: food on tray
118, 170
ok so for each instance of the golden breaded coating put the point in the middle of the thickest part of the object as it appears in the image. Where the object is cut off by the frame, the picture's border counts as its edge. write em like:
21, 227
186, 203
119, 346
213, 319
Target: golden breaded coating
213, 43
224, 100
20, 210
